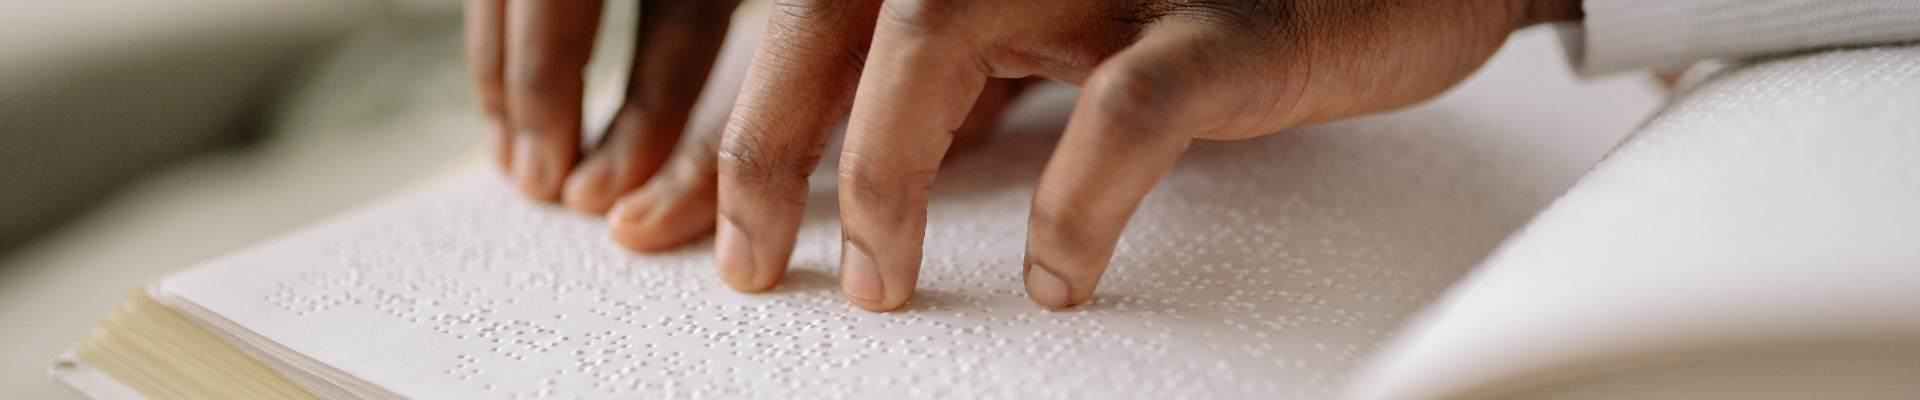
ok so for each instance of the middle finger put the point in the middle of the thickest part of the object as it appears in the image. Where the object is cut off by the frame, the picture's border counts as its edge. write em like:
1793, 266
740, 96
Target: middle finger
919, 84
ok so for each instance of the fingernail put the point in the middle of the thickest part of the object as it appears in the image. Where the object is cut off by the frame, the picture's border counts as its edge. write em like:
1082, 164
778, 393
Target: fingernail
628, 221
734, 255
528, 169
586, 188
634, 208
1045, 288
858, 276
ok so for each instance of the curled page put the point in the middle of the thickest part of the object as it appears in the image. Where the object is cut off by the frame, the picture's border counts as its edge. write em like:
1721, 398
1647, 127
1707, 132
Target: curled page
1758, 239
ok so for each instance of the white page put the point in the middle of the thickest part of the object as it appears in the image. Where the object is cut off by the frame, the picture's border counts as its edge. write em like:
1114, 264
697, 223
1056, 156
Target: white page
1763, 232
1258, 268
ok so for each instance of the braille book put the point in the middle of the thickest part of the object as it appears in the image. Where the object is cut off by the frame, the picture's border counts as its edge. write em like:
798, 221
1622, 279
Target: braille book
1357, 259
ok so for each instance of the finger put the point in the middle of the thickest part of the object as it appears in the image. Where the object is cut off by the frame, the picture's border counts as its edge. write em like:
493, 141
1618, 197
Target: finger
548, 43
994, 99
918, 88
1138, 112
485, 23
675, 48
795, 93
675, 207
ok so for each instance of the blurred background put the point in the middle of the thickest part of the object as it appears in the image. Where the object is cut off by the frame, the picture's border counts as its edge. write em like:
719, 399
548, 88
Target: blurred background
139, 137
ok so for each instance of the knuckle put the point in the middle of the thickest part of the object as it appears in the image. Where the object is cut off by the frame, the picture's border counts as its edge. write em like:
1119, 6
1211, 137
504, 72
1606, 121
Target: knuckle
754, 156
805, 29
801, 55
1139, 98
740, 152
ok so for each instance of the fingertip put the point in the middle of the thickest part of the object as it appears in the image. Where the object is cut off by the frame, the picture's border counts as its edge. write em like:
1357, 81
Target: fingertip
872, 305
1047, 289
537, 172
648, 221
733, 258
627, 222
862, 284
878, 306
589, 188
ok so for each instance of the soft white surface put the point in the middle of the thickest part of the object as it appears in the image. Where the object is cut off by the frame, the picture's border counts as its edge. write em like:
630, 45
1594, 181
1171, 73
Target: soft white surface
1775, 205
1621, 35
1258, 268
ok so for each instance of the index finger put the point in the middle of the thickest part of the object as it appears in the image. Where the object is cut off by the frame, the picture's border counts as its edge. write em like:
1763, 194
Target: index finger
795, 93
1140, 110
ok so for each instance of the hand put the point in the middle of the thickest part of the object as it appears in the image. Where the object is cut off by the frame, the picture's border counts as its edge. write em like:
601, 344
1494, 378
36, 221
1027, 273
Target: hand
1156, 75
527, 58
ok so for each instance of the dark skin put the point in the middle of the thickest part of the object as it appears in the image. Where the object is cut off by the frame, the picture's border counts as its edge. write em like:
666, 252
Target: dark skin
918, 78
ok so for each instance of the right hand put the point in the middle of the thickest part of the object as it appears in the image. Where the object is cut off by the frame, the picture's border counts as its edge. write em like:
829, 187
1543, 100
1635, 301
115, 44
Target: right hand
1157, 74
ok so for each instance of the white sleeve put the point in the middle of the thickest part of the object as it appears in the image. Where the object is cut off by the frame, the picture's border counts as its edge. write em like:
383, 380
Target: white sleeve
1620, 35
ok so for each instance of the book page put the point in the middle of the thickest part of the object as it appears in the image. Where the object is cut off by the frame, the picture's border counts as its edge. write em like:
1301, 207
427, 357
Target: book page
1257, 268
1759, 239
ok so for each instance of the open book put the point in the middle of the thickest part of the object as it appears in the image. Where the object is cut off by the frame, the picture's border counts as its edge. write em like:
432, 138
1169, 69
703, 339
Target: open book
1336, 260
